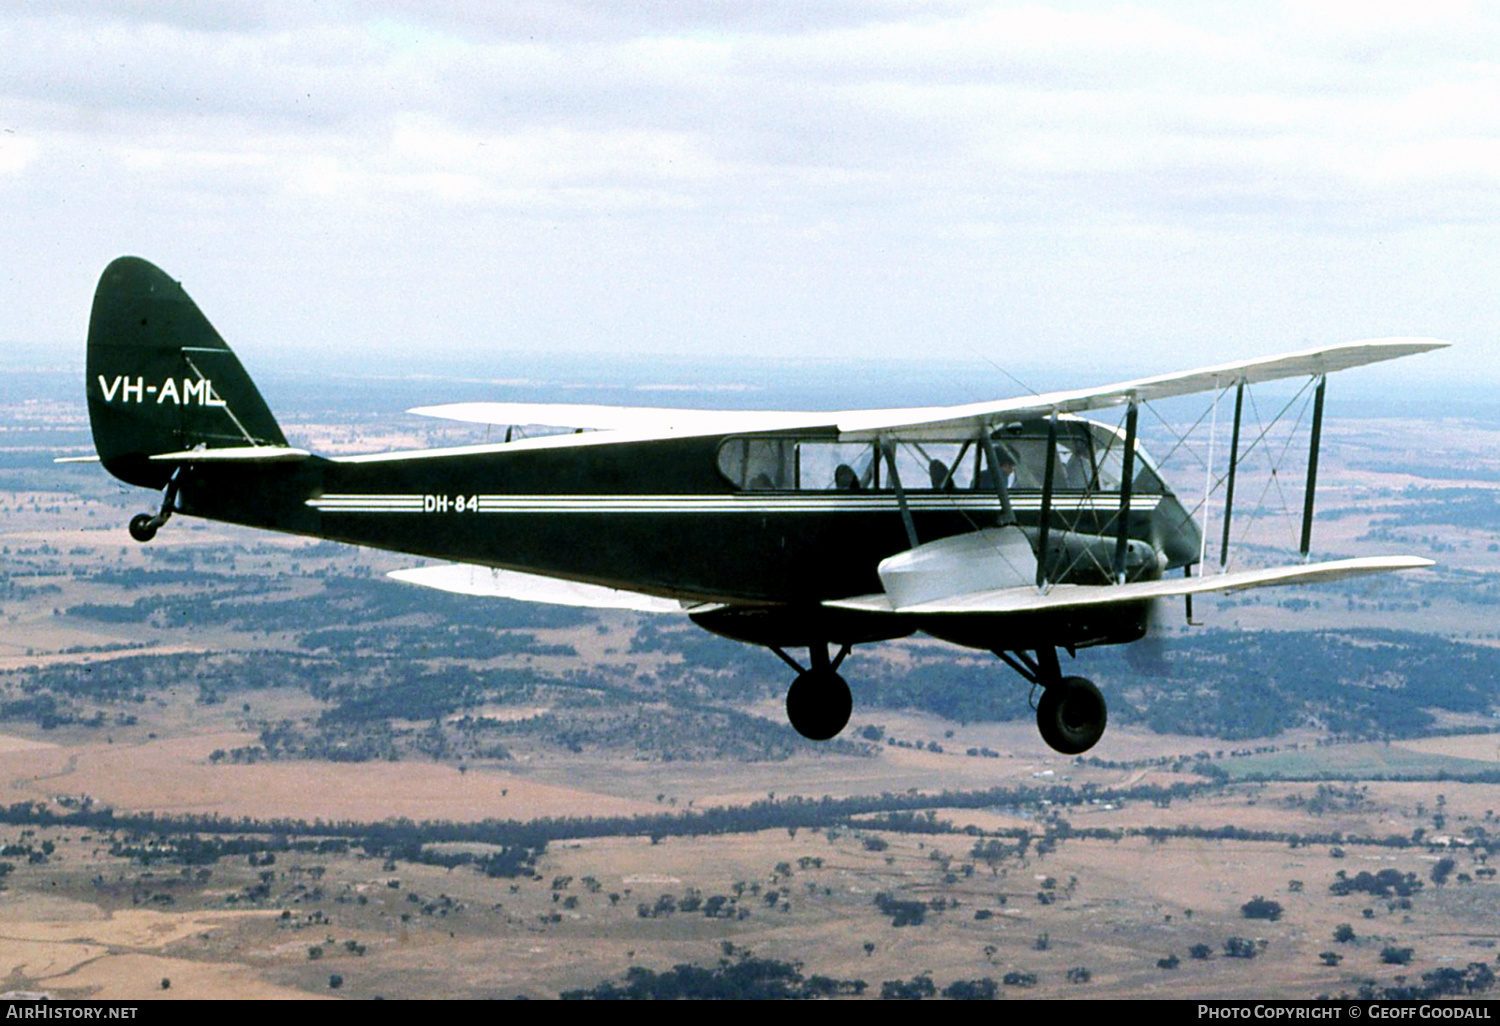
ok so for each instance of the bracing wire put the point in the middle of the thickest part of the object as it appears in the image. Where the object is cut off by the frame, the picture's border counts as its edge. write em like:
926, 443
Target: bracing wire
1255, 442
1275, 467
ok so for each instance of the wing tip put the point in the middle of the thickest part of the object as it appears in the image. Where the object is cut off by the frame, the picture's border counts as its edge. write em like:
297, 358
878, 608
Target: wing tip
1409, 344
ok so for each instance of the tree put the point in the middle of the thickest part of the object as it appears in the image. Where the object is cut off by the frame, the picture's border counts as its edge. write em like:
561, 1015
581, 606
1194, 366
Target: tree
971, 990
1239, 947
1392, 955
1343, 933
915, 989
1261, 908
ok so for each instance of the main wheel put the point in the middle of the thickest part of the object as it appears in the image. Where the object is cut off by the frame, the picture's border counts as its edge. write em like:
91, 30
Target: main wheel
141, 527
818, 704
1071, 715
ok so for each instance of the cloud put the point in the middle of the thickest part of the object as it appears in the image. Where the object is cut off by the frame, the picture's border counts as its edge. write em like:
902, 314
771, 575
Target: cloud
15, 152
672, 175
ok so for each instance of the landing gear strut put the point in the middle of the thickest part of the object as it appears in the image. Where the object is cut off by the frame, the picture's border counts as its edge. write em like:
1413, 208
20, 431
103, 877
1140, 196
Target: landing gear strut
1071, 714
143, 526
819, 702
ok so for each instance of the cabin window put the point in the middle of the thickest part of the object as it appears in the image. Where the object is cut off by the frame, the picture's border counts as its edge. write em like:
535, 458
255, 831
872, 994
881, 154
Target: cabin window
855, 467
758, 464
763, 464
818, 465
936, 466
837, 466
1073, 471
1026, 446
1110, 447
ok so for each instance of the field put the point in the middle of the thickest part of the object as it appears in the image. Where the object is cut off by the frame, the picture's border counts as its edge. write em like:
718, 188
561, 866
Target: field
357, 789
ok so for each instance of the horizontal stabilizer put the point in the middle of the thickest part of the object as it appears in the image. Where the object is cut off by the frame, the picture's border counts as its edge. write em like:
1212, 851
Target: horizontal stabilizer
489, 582
235, 454
1061, 596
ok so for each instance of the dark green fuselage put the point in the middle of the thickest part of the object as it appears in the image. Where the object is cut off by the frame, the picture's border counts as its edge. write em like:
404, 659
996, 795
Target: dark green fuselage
762, 526
657, 516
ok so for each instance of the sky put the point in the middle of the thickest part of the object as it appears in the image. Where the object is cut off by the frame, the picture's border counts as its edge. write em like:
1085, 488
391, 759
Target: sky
1034, 186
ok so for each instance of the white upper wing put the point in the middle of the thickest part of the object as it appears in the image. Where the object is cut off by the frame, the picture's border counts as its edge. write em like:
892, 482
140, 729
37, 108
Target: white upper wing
633, 419
940, 421
934, 422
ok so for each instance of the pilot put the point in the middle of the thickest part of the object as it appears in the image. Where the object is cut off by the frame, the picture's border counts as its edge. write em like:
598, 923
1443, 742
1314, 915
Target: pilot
1008, 469
986, 477
1076, 471
845, 479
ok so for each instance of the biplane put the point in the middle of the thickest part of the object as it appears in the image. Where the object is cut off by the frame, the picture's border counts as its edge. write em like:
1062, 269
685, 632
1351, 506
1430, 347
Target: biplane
1016, 527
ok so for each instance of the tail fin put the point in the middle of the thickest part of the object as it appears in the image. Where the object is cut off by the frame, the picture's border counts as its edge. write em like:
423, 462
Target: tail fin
161, 380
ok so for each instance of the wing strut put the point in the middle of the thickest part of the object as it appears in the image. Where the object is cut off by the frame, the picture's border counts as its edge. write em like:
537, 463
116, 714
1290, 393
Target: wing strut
1127, 478
1045, 669
1187, 600
1312, 466
890, 461
1002, 488
1046, 521
1234, 459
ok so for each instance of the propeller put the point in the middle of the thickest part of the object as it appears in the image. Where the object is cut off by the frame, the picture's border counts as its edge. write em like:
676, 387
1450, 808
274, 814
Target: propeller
1149, 655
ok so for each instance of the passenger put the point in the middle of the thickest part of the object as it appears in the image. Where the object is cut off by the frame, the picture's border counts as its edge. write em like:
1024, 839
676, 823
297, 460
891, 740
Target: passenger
937, 470
845, 479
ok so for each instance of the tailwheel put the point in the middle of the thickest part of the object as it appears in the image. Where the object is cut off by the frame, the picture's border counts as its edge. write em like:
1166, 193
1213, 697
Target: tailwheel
143, 526
818, 704
1071, 715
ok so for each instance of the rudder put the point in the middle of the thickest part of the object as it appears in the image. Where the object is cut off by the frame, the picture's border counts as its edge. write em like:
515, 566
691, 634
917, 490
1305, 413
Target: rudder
160, 379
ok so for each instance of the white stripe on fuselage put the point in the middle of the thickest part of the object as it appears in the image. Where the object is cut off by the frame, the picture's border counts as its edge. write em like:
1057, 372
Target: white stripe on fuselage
467, 502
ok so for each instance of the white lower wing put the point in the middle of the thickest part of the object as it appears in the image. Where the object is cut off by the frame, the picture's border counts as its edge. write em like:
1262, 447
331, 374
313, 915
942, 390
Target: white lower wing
488, 582
1062, 596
